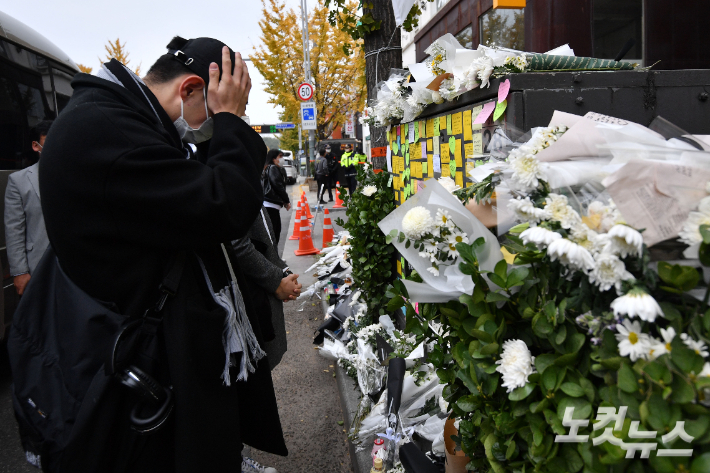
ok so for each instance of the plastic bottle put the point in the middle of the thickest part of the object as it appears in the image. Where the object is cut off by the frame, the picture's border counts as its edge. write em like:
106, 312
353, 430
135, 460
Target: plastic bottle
378, 468
379, 445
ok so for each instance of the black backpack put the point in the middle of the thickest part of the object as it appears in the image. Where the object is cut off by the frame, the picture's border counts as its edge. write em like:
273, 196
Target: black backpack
67, 351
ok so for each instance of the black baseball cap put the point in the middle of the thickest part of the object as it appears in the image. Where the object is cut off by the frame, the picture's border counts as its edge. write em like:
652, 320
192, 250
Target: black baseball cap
197, 54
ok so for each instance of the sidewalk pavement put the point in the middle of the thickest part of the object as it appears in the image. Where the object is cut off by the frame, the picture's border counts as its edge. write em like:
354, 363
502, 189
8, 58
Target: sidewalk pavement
306, 391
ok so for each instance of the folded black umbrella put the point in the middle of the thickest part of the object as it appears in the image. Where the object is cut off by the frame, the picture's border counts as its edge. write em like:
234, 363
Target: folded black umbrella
331, 324
415, 461
395, 380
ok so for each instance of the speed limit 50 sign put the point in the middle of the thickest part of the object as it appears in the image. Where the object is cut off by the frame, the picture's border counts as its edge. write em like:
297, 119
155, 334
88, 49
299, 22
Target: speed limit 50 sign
305, 91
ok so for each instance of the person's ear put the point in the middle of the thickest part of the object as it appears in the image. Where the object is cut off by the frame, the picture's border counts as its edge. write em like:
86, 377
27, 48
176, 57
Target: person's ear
190, 85
36, 147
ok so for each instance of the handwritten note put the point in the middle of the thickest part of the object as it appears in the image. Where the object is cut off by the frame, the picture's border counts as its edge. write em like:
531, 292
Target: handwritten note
468, 150
477, 143
456, 124
425, 169
406, 157
422, 130
389, 159
411, 133
500, 108
459, 179
445, 171
423, 147
436, 127
429, 165
452, 168
395, 147
485, 113
445, 153
429, 146
474, 113
435, 142
458, 155
503, 90
452, 145
437, 163
467, 125
429, 127
448, 125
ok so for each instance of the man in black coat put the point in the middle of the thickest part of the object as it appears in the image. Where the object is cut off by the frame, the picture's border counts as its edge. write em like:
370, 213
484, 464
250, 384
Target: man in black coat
122, 194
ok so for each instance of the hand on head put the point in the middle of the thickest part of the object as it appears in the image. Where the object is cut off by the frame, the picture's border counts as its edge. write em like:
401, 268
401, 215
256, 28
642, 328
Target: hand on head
231, 92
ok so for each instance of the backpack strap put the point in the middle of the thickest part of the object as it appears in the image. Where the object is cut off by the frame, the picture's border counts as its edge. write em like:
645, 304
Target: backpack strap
169, 286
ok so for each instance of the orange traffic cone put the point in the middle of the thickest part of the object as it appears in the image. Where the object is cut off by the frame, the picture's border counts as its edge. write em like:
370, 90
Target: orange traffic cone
306, 208
297, 226
338, 200
327, 229
305, 243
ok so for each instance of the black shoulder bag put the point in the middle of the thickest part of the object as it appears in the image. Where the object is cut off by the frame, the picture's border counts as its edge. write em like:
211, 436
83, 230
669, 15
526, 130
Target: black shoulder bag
68, 352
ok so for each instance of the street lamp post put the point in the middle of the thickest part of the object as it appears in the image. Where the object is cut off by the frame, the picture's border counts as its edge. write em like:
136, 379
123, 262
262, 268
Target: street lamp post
307, 71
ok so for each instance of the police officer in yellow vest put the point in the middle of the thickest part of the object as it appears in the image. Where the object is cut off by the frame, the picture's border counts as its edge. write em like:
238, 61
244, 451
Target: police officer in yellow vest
349, 162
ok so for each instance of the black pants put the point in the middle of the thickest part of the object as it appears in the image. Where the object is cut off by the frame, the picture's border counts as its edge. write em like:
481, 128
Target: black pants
322, 185
276, 224
329, 185
352, 183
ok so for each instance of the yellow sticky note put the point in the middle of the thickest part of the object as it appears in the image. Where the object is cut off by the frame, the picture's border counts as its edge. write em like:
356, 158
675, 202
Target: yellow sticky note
436, 127
429, 146
456, 124
474, 113
467, 125
459, 179
459, 161
448, 124
399, 267
478, 143
429, 128
445, 171
468, 150
445, 154
430, 165
469, 166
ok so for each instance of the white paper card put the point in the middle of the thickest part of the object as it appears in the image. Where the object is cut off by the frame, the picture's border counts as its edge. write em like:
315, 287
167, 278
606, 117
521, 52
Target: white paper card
389, 159
411, 132
437, 163
424, 149
435, 141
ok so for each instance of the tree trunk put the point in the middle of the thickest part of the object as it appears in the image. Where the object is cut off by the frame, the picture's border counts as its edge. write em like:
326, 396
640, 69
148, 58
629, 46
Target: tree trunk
377, 66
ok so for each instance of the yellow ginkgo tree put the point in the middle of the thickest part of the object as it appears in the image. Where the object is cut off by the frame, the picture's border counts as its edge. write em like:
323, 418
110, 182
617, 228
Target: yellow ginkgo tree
339, 79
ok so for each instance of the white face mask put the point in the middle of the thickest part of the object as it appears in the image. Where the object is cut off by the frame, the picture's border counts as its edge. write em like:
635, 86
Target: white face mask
192, 135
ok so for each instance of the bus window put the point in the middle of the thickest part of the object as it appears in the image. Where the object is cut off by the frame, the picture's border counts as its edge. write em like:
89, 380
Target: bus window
11, 125
62, 86
32, 102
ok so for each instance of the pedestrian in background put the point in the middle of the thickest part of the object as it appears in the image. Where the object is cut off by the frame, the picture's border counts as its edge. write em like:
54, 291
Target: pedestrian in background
348, 162
333, 166
25, 234
275, 195
321, 175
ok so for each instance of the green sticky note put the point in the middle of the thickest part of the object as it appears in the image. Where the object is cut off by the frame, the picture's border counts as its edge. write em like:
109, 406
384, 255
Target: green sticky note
416, 132
406, 130
406, 159
425, 168
389, 183
448, 125
436, 126
452, 145
500, 108
395, 147
452, 168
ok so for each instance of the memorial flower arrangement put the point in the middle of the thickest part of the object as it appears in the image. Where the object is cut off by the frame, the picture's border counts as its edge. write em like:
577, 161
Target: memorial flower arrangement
580, 322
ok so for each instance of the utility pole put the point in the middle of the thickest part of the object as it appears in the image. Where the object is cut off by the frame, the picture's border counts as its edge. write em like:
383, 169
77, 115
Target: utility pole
383, 51
307, 72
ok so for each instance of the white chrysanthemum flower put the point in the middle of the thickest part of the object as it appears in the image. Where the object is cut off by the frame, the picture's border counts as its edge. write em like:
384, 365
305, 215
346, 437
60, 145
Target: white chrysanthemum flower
705, 371
520, 62
485, 69
436, 97
625, 241
457, 237
443, 219
698, 347
417, 222
433, 270
451, 250
443, 405
541, 237
561, 212
585, 237
661, 347
609, 271
369, 190
570, 254
690, 234
516, 364
637, 303
526, 211
632, 342
449, 184
527, 170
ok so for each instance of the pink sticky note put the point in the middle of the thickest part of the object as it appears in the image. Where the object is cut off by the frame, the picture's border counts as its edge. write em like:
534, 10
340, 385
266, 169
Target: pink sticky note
503, 90
485, 113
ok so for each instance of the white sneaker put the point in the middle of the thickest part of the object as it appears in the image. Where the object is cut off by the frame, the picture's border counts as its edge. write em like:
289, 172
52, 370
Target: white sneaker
249, 465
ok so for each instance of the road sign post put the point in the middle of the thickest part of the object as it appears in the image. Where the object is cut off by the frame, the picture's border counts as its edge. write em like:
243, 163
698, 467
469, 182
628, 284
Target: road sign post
308, 116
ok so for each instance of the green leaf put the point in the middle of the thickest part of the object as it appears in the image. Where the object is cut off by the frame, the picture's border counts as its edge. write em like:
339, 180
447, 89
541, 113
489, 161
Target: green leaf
566, 360
519, 394
543, 361
467, 403
588, 388
701, 464
572, 389
549, 378
704, 254
490, 349
682, 391
520, 228
575, 342
469, 325
495, 296
501, 269
582, 407
497, 280
627, 379
517, 276
483, 336
561, 335
705, 233
467, 381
